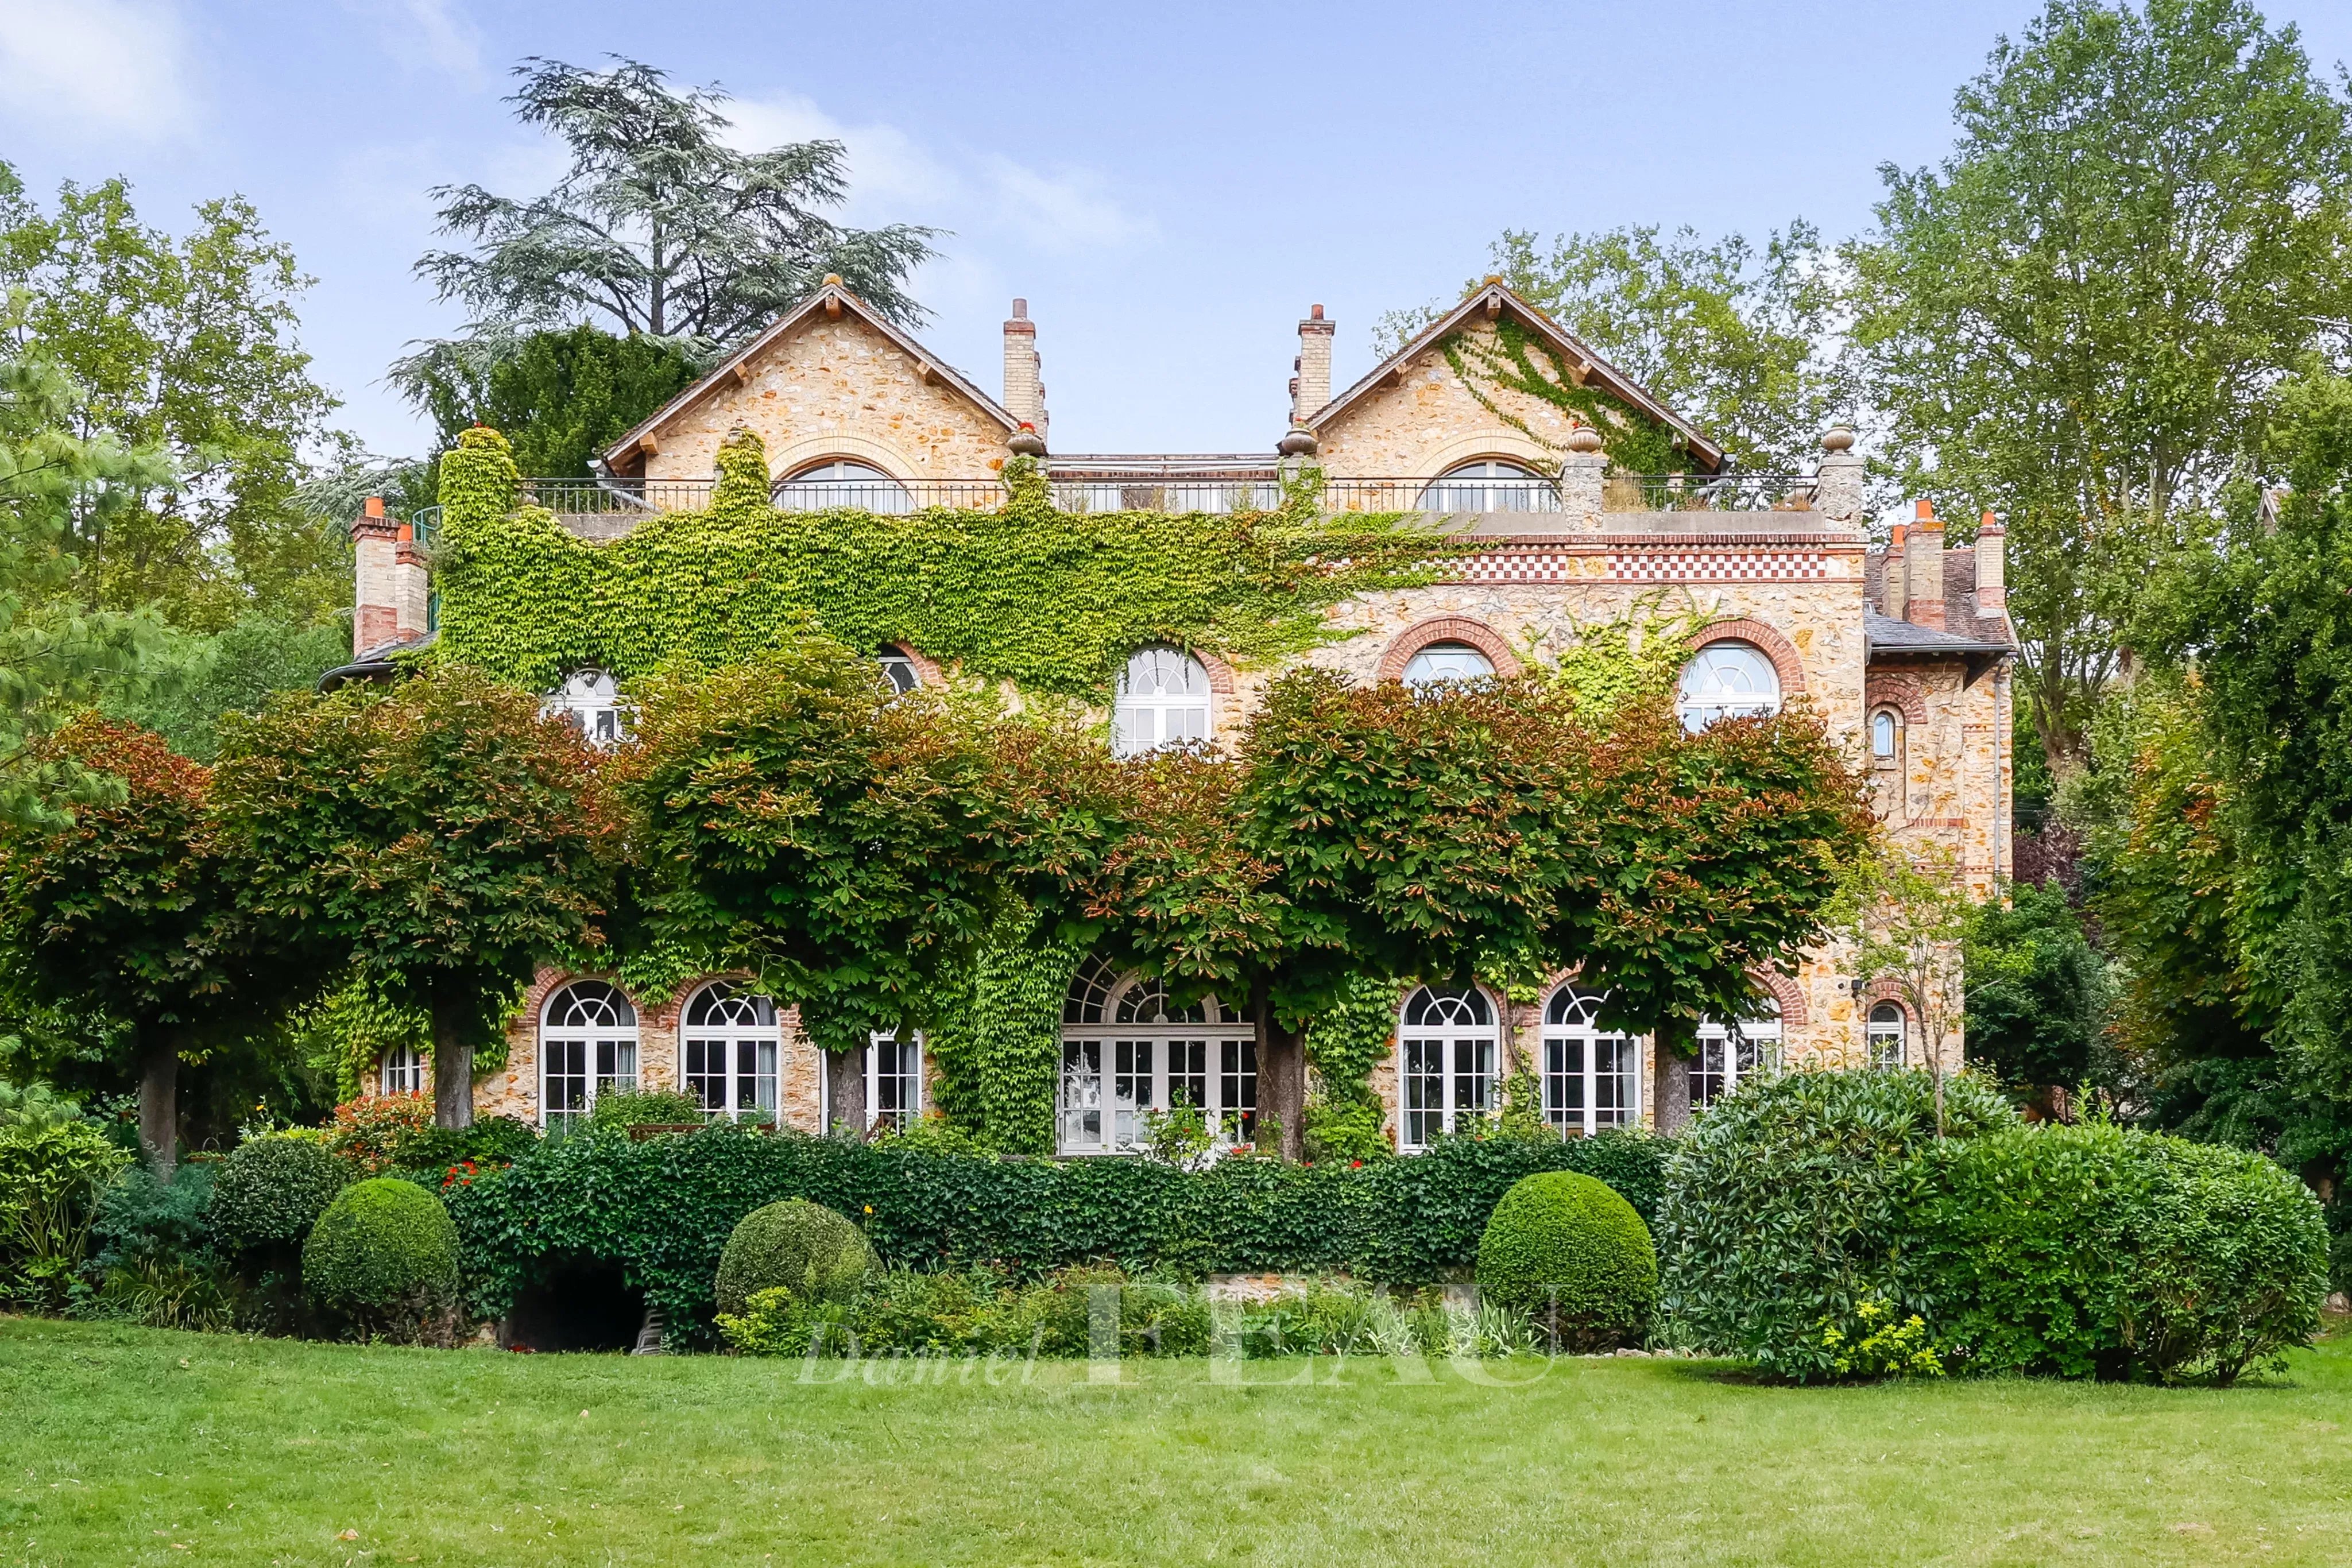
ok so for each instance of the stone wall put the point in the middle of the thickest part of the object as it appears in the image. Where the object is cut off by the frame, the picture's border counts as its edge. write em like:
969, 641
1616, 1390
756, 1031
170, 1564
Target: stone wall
1426, 421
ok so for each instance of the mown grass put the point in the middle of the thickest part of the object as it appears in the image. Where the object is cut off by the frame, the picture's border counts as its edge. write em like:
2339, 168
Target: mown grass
132, 1446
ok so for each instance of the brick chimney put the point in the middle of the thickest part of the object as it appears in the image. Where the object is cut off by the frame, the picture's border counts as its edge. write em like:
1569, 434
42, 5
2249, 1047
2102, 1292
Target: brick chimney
1992, 579
1311, 389
1024, 386
1925, 557
375, 608
1891, 583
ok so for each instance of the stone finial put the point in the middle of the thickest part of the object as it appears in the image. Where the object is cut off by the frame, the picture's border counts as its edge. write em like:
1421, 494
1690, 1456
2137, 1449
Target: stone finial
1025, 442
1838, 438
1584, 438
1837, 480
1297, 442
831, 280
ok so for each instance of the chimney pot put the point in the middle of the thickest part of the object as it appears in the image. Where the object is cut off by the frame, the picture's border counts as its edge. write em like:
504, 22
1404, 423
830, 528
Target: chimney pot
1891, 585
1315, 312
372, 507
1021, 309
1925, 510
1924, 558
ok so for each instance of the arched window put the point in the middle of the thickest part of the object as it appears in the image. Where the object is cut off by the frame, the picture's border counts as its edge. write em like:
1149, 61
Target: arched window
1447, 1063
1728, 680
1442, 662
1164, 697
1129, 1052
1490, 485
731, 1042
589, 700
1887, 1030
587, 1047
840, 482
1592, 1078
898, 669
1727, 1055
1886, 735
401, 1071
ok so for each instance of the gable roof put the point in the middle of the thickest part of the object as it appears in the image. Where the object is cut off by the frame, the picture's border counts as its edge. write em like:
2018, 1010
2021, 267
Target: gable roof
1492, 300
832, 299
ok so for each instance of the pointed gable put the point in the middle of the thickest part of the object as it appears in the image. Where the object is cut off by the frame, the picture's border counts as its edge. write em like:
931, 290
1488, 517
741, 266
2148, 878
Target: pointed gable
830, 379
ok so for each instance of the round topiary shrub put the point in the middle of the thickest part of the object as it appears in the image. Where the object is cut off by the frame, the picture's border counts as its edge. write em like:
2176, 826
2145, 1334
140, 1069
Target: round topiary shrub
384, 1254
1574, 1256
797, 1246
271, 1191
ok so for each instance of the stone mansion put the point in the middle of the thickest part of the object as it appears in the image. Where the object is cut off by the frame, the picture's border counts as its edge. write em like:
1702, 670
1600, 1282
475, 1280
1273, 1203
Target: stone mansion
1904, 649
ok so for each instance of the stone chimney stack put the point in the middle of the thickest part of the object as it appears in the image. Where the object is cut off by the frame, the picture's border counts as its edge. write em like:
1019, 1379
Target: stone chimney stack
1311, 388
1925, 557
1891, 584
1992, 579
412, 585
1024, 386
375, 608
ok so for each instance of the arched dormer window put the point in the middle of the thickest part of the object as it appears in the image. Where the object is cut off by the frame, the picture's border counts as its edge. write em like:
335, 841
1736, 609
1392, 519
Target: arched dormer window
1162, 700
589, 700
1447, 1044
833, 481
1490, 485
1441, 663
587, 1047
1729, 679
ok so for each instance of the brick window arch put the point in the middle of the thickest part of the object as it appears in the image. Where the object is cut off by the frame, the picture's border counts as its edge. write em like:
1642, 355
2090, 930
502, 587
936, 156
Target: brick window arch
1900, 692
1789, 995
1768, 640
1446, 629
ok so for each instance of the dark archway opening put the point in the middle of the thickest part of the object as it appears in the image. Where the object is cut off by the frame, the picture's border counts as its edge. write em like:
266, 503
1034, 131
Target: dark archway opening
578, 1304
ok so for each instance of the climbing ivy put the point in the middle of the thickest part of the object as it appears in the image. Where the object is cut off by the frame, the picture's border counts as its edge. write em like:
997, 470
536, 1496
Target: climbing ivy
999, 1051
1506, 362
1052, 602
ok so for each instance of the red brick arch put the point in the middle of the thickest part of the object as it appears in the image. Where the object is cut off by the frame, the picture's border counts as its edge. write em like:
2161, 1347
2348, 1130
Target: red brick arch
927, 669
1776, 648
1900, 692
1446, 629
1789, 995
1220, 675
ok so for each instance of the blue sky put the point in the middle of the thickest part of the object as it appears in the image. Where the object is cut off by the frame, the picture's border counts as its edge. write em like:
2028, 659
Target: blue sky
1170, 187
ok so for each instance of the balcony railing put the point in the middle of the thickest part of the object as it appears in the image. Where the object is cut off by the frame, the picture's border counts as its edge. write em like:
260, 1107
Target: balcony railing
1704, 492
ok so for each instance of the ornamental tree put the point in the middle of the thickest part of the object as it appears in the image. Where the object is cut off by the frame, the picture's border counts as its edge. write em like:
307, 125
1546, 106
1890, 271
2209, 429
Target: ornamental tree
126, 910
439, 837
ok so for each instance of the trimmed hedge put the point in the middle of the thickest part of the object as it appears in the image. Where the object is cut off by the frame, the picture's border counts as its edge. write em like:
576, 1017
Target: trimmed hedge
384, 1254
663, 1209
271, 1191
802, 1248
1573, 1257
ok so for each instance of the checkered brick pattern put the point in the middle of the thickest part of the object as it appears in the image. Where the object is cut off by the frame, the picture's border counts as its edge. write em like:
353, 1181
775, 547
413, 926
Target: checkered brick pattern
1546, 563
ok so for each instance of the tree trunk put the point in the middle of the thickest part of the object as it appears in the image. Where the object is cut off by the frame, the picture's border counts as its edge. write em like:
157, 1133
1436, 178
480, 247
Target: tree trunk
1281, 1079
1670, 1067
452, 1065
159, 1098
846, 1092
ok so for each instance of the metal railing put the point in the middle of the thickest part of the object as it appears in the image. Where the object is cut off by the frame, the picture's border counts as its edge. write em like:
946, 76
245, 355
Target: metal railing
1706, 493
1449, 496
1154, 493
623, 498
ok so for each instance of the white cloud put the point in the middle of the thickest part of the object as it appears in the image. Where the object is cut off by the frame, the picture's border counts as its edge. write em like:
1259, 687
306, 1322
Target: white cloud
1061, 213
425, 33
108, 65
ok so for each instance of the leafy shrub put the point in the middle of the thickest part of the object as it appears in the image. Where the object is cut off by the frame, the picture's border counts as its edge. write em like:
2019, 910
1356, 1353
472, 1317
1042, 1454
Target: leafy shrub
36, 1104
1346, 1130
141, 1219
1785, 1205
52, 1174
169, 1293
493, 1141
384, 1254
1568, 1253
934, 1134
663, 1209
2096, 1250
271, 1190
370, 1131
796, 1246
647, 1108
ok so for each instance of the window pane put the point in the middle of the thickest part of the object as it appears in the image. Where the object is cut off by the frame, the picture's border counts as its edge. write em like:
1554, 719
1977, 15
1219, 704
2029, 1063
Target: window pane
1237, 1104
1473, 1070
1188, 1073
1130, 1089
1081, 1094
1424, 1090
1564, 1083
1616, 1084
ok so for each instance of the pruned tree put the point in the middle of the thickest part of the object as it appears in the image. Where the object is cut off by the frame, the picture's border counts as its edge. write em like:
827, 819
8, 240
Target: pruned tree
1911, 914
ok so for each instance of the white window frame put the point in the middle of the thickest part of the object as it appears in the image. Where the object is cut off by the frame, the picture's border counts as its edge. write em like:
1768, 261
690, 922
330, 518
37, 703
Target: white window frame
1490, 485
1126, 1054
1444, 664
898, 1069
1591, 1077
599, 1032
1886, 1042
1147, 714
899, 669
401, 1070
1893, 722
1727, 678
589, 700
1726, 1056
1445, 1062
841, 482
745, 1031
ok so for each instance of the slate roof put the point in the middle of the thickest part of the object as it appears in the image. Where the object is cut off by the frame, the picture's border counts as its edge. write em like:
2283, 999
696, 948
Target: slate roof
1965, 632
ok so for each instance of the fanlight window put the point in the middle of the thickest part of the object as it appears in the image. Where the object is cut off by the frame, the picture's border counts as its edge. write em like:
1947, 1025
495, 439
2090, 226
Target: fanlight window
1887, 1032
1881, 736
401, 1071
1446, 1049
590, 702
1442, 662
1728, 680
1164, 699
1725, 1056
1591, 1076
841, 482
1490, 485
731, 1043
1128, 1055
587, 1047
900, 670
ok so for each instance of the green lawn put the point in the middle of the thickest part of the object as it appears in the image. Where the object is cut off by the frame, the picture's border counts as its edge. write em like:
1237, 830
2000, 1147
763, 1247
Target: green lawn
136, 1446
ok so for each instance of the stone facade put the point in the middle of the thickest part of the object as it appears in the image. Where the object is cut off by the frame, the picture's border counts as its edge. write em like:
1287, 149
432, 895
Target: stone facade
1914, 632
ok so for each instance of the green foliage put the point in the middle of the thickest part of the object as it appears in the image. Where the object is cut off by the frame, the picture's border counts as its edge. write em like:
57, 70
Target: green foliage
2038, 994
439, 1158
385, 1255
1053, 601
1634, 658
141, 1220
647, 1108
1876, 1343
1785, 1204
997, 1046
51, 1177
1570, 1253
801, 1248
36, 1104
271, 1191
347, 1032
2077, 318
664, 1208
561, 396
373, 1133
1505, 359
198, 676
